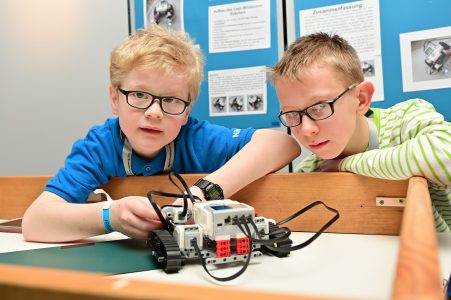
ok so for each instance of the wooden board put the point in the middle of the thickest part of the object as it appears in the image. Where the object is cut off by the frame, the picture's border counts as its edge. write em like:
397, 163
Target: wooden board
274, 196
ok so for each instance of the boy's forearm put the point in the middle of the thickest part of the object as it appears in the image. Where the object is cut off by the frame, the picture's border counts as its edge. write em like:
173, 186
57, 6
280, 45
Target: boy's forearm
52, 219
425, 155
423, 138
268, 151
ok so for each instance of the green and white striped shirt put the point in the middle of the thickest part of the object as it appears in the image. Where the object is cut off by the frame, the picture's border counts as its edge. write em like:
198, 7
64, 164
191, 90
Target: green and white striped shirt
414, 140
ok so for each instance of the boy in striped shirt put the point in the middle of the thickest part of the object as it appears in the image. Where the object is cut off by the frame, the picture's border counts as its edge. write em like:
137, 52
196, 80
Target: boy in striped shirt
326, 103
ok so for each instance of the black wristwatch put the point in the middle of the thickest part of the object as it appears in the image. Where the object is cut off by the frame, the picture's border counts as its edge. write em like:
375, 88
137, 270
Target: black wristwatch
212, 191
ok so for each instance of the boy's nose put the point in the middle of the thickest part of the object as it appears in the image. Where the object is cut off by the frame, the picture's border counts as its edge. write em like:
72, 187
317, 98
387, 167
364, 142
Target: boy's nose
154, 111
308, 127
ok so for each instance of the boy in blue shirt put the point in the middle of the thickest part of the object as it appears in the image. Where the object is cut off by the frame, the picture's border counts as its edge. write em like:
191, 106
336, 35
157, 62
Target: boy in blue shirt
326, 103
155, 79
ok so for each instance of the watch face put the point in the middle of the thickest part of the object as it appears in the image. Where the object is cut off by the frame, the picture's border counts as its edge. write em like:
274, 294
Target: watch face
211, 190
214, 193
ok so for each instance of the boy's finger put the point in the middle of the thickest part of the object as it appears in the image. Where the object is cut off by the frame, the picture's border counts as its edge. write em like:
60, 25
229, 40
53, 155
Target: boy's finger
142, 227
144, 209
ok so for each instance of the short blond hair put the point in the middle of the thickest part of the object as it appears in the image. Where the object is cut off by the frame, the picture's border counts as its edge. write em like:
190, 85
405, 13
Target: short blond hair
159, 49
319, 49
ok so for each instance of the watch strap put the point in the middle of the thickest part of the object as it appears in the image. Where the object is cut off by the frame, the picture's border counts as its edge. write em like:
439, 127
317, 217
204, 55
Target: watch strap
211, 191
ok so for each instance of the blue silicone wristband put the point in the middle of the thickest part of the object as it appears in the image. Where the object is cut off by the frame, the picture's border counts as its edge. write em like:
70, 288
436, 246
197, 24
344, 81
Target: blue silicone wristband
106, 216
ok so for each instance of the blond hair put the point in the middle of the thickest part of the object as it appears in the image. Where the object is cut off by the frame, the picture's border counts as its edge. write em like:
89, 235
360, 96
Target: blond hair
319, 49
159, 49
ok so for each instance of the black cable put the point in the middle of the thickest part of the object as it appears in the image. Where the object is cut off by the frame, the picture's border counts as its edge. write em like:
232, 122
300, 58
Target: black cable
185, 194
172, 195
277, 240
286, 233
182, 192
158, 210
317, 234
303, 210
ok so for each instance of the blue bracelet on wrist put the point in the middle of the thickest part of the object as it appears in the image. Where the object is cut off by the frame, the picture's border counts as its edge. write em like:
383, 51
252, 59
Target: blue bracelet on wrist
106, 216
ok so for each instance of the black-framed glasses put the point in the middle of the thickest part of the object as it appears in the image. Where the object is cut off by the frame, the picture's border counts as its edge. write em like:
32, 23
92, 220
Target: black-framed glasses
143, 100
319, 111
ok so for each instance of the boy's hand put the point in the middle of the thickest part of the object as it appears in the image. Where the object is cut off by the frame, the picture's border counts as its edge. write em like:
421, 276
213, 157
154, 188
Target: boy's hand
330, 165
134, 216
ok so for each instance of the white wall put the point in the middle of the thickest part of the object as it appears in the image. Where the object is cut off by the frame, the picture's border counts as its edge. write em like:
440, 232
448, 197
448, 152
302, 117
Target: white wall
54, 60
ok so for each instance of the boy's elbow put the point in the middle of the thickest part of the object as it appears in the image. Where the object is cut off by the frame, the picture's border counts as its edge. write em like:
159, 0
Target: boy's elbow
34, 218
28, 236
28, 229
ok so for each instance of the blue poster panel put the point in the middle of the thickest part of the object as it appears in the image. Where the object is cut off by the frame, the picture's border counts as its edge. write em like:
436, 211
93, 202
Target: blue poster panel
239, 40
400, 19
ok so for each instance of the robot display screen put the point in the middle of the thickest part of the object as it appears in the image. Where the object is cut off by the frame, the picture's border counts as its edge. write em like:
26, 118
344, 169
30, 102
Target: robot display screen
221, 207
227, 206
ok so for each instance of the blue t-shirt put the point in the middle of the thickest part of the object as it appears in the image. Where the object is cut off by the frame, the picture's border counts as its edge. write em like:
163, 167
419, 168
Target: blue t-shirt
200, 147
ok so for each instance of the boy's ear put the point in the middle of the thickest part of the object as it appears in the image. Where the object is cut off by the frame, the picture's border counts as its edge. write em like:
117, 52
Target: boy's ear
114, 98
365, 91
187, 112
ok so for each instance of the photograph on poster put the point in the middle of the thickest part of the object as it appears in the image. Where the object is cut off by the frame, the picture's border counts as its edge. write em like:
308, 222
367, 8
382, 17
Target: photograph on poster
236, 103
218, 104
426, 59
368, 68
166, 13
255, 102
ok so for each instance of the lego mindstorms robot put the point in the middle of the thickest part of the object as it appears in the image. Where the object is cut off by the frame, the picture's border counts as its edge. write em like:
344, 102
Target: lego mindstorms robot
219, 232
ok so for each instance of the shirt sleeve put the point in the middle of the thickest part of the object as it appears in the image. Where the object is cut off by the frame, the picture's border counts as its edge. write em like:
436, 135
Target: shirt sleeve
308, 164
420, 145
84, 169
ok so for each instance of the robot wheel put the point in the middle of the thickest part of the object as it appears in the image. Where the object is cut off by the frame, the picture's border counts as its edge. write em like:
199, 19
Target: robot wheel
165, 250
